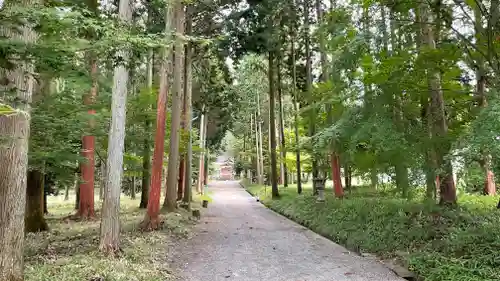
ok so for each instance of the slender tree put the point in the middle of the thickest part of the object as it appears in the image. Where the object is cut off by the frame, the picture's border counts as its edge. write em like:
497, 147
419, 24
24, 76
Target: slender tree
187, 196
170, 202
152, 220
272, 127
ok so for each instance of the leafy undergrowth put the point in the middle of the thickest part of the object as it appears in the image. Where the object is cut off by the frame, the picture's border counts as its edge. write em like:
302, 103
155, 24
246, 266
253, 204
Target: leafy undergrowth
69, 251
438, 244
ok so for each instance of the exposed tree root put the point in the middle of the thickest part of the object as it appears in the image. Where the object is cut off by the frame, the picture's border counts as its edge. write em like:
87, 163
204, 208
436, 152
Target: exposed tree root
151, 223
110, 250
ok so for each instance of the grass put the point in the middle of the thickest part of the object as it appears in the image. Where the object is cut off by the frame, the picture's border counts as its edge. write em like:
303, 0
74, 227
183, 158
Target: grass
69, 251
438, 244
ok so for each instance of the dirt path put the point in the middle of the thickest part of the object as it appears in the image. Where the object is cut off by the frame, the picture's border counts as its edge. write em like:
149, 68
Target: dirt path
239, 239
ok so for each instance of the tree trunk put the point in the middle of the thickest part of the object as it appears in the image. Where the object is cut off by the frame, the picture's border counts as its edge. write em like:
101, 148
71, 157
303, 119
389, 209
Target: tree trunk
337, 181
132, 188
170, 203
374, 178
284, 172
199, 185
14, 133
181, 179
14, 128
312, 113
272, 128
66, 188
110, 222
152, 218
447, 188
188, 192
102, 187
296, 115
258, 126
489, 177
347, 176
77, 193
146, 156
87, 167
257, 153
34, 220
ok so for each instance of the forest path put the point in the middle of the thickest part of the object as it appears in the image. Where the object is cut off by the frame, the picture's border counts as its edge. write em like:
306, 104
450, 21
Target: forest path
240, 239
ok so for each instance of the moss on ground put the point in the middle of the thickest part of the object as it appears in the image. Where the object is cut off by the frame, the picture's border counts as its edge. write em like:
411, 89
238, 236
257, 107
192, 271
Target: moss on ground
439, 244
69, 251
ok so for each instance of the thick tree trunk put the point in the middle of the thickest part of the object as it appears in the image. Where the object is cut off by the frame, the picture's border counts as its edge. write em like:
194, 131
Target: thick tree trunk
272, 127
34, 220
146, 156
170, 203
447, 188
152, 218
14, 135
188, 192
110, 222
14, 130
87, 167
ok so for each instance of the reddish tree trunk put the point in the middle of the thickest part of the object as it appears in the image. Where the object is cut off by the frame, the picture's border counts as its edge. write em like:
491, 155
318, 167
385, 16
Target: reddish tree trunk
180, 184
33, 218
489, 184
337, 182
151, 221
86, 203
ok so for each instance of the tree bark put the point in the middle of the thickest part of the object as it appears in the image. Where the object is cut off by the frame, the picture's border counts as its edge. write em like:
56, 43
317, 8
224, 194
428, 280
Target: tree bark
447, 188
87, 167
34, 220
146, 156
489, 177
284, 171
102, 187
188, 192
170, 203
272, 128
181, 179
199, 185
312, 113
110, 222
152, 218
296, 115
14, 133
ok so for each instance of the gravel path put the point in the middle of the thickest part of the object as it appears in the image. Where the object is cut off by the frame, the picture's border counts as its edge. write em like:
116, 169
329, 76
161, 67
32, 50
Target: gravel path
239, 239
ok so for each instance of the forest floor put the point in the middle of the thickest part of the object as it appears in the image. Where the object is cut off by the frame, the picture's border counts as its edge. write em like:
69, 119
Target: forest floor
438, 244
69, 251
240, 239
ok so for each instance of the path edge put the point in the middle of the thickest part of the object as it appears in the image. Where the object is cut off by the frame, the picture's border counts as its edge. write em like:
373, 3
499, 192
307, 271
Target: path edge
396, 268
